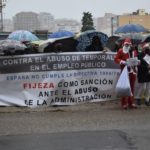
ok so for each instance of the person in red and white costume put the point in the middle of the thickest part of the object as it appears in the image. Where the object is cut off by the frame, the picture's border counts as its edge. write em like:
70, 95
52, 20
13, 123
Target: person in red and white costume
122, 57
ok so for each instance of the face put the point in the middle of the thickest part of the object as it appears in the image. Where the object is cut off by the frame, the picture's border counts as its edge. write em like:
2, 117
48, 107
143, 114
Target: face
127, 45
126, 48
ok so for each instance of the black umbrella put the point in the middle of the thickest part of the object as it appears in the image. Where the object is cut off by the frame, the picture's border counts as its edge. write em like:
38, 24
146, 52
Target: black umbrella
146, 38
85, 38
111, 43
65, 44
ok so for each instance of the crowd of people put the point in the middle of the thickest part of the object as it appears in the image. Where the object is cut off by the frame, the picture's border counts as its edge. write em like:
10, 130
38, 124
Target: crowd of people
57, 47
138, 66
139, 72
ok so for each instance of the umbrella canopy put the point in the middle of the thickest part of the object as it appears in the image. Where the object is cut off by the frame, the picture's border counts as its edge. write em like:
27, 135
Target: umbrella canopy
11, 45
136, 38
146, 38
130, 28
44, 44
60, 34
111, 43
37, 42
22, 35
85, 38
68, 44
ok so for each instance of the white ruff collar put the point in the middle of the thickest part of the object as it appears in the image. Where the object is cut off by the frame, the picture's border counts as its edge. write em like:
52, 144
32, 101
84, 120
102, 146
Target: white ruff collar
125, 50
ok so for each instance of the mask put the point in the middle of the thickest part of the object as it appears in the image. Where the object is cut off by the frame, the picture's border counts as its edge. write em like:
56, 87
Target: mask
126, 49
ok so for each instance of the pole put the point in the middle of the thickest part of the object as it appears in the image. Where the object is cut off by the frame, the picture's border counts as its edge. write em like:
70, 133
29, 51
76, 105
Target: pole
1, 22
112, 26
2, 5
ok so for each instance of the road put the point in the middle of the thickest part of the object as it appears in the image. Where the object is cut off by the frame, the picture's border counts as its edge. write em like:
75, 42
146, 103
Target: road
94, 126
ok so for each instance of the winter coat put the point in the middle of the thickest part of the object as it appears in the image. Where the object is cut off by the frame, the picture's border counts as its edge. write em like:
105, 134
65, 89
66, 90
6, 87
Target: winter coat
143, 70
121, 56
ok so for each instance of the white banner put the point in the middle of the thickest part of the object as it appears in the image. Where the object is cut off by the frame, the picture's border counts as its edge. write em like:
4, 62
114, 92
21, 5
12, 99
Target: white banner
62, 79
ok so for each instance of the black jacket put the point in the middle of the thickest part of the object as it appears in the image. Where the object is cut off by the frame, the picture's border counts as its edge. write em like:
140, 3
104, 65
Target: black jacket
94, 48
143, 70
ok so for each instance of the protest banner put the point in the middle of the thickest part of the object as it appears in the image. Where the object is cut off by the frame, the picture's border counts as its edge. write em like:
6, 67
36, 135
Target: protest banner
57, 78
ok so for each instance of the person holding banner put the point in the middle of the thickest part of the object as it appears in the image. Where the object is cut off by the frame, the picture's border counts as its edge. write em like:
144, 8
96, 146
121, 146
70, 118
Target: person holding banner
144, 76
96, 45
127, 56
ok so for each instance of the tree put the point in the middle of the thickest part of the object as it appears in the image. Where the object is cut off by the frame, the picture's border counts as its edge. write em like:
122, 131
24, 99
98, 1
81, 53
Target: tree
87, 22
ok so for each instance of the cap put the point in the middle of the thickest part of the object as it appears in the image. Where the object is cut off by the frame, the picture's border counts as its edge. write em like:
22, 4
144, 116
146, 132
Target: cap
127, 41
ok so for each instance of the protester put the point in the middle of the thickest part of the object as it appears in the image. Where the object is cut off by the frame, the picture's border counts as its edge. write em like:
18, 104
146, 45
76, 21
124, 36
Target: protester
144, 76
118, 45
58, 47
122, 57
54, 48
96, 45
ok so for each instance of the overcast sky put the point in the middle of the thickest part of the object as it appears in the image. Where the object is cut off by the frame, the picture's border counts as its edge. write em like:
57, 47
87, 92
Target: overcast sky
73, 9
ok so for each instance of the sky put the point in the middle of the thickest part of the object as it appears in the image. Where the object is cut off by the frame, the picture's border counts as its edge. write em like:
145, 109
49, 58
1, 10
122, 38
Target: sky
73, 9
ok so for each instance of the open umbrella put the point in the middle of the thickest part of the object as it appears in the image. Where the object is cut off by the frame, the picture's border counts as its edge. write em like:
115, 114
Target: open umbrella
146, 38
22, 35
111, 43
60, 34
130, 28
68, 44
85, 38
136, 38
11, 45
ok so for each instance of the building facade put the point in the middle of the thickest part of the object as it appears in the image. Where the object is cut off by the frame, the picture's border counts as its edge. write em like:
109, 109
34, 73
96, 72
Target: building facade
46, 21
136, 19
139, 17
8, 25
26, 21
104, 24
67, 24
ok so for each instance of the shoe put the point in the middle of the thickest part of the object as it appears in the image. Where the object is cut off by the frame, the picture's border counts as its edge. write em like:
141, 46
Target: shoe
138, 101
125, 107
147, 103
133, 106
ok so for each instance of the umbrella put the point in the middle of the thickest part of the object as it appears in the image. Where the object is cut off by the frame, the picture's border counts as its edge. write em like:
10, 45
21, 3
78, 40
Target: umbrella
136, 38
11, 45
60, 34
68, 44
85, 38
146, 39
111, 43
130, 28
37, 42
22, 35
44, 44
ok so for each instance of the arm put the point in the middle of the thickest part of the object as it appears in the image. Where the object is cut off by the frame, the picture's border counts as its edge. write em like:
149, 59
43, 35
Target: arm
118, 58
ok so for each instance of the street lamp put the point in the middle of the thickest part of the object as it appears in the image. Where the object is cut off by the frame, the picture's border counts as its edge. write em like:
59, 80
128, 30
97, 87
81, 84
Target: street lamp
2, 5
